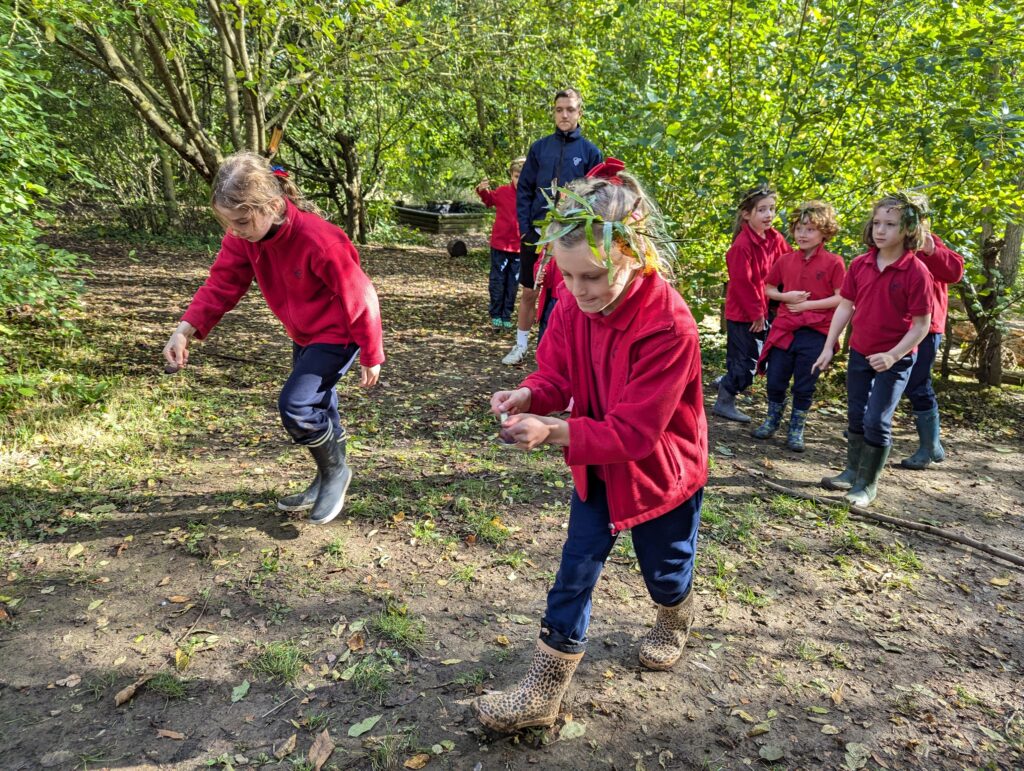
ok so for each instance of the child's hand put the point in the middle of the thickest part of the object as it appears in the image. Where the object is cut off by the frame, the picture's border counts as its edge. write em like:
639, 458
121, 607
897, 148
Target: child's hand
176, 351
880, 362
929, 245
368, 376
759, 326
795, 296
823, 361
799, 307
485, 184
511, 402
525, 430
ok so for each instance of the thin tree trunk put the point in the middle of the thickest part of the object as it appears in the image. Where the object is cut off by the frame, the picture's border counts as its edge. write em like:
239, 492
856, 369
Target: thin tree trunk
167, 187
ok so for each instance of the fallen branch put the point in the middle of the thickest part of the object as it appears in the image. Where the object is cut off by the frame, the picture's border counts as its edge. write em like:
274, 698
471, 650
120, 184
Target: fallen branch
905, 524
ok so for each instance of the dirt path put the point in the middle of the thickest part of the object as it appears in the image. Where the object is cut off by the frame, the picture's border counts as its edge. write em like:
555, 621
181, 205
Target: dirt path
820, 642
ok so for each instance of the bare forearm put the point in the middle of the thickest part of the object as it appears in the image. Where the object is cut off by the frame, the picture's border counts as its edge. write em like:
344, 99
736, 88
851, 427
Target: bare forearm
917, 332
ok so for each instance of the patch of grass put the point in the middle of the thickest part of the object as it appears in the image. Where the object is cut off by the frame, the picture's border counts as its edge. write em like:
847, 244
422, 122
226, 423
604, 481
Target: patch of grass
902, 558
373, 674
168, 685
847, 541
394, 624
336, 551
387, 752
625, 552
280, 661
788, 507
425, 531
808, 651
488, 528
316, 721
747, 595
465, 574
513, 560
473, 678
99, 684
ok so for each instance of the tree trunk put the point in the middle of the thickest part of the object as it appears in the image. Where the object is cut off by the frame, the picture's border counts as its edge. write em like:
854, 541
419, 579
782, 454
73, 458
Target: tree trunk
167, 186
355, 216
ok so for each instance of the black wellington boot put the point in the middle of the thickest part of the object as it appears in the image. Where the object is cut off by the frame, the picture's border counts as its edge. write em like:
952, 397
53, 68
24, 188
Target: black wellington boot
301, 501
335, 476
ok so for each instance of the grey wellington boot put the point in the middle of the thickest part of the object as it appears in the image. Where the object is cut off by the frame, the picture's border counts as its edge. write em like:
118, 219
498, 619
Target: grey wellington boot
725, 407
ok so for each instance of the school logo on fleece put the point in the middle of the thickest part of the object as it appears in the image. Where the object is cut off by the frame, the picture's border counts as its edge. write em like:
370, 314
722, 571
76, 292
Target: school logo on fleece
576, 160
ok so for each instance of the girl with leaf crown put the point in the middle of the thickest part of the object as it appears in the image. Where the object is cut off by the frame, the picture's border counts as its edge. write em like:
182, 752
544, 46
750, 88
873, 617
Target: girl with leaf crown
756, 245
887, 293
623, 347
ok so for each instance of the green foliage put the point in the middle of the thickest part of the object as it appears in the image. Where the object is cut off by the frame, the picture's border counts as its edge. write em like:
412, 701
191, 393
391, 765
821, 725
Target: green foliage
36, 280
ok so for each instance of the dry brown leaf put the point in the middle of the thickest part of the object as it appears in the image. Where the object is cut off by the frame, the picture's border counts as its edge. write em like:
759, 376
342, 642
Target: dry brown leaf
128, 692
287, 748
168, 734
356, 642
321, 750
70, 681
417, 761
177, 598
502, 640
164, 581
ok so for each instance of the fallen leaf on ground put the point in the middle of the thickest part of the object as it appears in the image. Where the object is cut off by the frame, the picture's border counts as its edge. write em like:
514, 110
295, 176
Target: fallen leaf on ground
356, 642
1000, 582
417, 761
573, 730
70, 681
771, 753
128, 692
287, 748
239, 691
168, 734
743, 715
502, 640
75, 550
164, 581
177, 598
321, 750
363, 726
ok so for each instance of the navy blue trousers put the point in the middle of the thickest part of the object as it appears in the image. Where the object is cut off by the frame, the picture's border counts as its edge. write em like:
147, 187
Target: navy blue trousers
664, 546
919, 385
872, 397
795, 362
545, 316
742, 350
308, 402
504, 283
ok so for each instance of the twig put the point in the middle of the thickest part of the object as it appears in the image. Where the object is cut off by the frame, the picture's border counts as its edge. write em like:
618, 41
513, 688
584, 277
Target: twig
863, 513
194, 623
275, 709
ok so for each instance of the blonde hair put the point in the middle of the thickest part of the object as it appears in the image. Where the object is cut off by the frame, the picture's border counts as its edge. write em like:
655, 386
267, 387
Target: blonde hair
749, 202
914, 213
818, 214
516, 165
626, 204
246, 181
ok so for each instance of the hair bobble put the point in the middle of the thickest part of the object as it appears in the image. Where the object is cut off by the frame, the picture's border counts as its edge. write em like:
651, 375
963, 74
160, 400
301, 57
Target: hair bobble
608, 170
279, 171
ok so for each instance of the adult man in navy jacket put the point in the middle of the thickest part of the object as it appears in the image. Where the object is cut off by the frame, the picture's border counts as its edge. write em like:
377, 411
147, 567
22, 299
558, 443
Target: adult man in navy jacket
553, 161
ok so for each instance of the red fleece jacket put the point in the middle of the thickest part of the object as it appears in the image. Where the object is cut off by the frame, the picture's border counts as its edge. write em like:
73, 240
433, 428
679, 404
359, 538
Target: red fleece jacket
505, 233
309, 274
650, 437
749, 259
946, 267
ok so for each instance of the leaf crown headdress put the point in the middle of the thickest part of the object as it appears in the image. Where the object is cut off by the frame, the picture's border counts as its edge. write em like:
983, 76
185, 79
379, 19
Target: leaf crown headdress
637, 234
913, 209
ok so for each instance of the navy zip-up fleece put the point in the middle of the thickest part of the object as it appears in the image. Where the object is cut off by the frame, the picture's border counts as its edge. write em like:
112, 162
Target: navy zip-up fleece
554, 160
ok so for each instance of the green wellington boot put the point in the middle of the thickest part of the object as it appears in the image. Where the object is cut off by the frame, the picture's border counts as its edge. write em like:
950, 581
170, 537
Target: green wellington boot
872, 461
930, 448
845, 480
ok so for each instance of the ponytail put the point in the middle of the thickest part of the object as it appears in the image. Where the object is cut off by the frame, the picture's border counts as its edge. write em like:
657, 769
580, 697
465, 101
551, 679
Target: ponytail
246, 180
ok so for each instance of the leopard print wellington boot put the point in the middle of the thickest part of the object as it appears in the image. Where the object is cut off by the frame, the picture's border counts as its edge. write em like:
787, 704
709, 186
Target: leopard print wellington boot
537, 697
663, 645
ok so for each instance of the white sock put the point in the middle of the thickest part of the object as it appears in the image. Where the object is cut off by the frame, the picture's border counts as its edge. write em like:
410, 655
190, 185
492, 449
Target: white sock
523, 338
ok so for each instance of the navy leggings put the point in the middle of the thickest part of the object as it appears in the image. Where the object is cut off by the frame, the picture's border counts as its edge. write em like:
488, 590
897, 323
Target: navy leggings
503, 283
664, 546
919, 385
742, 350
795, 362
308, 402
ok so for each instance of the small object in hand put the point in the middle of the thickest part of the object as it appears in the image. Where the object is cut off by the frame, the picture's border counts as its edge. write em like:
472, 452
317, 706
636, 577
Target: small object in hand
503, 417
171, 369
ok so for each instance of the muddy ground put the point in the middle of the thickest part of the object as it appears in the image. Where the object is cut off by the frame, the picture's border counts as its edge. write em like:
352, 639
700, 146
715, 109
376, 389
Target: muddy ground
820, 642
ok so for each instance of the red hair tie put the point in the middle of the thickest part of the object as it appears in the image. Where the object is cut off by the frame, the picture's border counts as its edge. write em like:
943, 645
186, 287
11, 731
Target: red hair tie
608, 169
278, 171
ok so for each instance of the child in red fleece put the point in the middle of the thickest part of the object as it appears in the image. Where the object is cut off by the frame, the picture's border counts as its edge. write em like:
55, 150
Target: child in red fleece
888, 295
504, 279
623, 346
309, 274
755, 247
811, 278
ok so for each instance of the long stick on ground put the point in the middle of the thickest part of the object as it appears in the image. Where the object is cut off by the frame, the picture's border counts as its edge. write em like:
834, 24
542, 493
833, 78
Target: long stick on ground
905, 524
